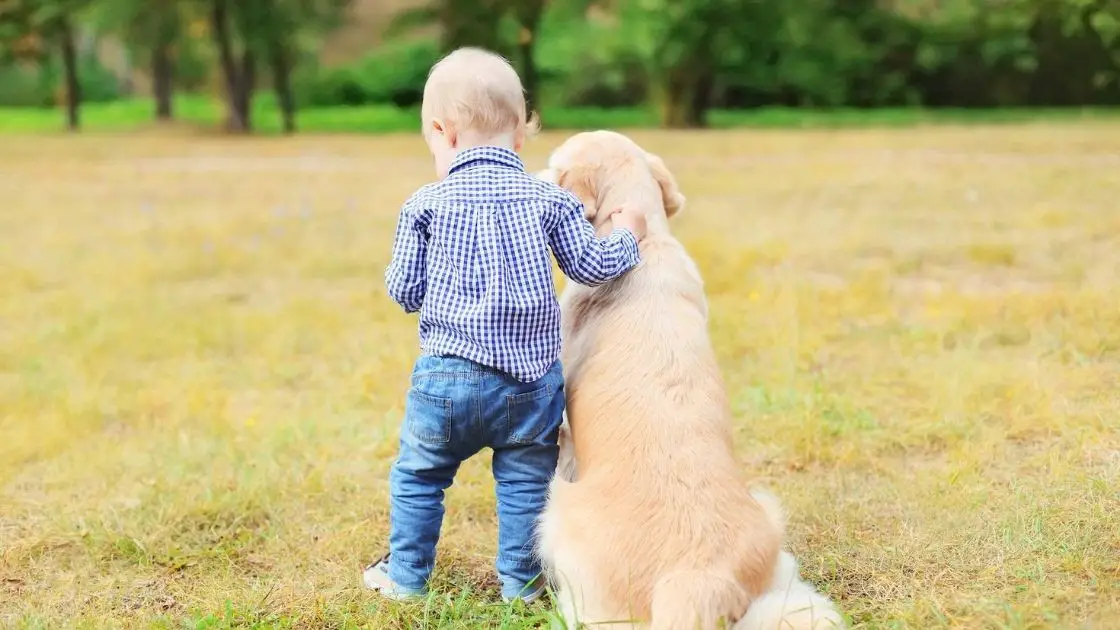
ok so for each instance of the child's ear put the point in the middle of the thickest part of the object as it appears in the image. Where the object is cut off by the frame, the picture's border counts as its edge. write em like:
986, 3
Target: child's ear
439, 127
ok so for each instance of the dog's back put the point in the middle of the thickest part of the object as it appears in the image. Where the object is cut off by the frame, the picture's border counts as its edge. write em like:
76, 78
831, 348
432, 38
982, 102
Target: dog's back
658, 528
660, 506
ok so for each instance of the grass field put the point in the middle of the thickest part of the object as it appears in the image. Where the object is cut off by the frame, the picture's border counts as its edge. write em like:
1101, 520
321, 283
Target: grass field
201, 112
201, 377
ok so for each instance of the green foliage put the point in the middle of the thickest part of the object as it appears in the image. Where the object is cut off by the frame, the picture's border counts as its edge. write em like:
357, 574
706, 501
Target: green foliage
142, 24
194, 63
298, 24
394, 74
23, 86
473, 23
204, 112
680, 58
32, 34
38, 85
612, 73
20, 37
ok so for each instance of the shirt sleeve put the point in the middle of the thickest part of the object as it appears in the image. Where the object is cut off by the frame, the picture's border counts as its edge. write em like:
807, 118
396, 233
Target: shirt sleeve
406, 278
583, 256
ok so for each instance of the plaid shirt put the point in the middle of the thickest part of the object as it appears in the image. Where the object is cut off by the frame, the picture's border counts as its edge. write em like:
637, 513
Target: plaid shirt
472, 255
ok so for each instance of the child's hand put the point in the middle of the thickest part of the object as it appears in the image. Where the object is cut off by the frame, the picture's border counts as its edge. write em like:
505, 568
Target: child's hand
631, 219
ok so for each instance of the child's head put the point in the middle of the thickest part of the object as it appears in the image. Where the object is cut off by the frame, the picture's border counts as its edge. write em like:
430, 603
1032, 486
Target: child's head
473, 97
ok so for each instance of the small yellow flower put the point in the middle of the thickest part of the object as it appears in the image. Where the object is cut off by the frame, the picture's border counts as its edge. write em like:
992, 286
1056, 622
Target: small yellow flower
753, 296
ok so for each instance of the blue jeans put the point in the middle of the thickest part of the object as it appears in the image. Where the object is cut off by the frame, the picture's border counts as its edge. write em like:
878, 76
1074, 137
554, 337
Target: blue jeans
456, 407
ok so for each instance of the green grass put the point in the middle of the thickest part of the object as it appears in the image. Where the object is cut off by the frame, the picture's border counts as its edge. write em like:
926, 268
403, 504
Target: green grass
137, 114
201, 379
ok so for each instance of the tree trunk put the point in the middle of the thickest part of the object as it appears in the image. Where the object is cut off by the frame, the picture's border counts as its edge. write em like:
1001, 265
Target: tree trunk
474, 23
236, 121
70, 67
528, 74
163, 77
247, 80
685, 98
529, 15
674, 99
701, 101
282, 83
672, 113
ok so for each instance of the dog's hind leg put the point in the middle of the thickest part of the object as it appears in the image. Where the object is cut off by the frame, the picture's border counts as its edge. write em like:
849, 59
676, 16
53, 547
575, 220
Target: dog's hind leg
566, 465
579, 592
565, 618
589, 615
579, 600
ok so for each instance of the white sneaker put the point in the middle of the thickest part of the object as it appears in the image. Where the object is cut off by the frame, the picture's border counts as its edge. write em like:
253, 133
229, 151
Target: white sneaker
531, 593
376, 578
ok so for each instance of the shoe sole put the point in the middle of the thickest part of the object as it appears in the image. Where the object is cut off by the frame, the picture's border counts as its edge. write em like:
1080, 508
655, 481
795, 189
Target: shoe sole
528, 599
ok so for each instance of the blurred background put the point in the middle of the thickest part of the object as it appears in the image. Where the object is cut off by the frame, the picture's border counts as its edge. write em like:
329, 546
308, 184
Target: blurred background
202, 381
352, 65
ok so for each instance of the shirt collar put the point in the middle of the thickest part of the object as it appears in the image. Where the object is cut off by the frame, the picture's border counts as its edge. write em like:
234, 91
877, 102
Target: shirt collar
493, 155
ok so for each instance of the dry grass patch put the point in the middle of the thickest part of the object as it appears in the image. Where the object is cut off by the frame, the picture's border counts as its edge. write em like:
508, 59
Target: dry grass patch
201, 378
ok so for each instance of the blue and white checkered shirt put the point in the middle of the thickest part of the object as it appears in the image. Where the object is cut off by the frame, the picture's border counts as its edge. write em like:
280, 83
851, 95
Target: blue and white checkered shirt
472, 255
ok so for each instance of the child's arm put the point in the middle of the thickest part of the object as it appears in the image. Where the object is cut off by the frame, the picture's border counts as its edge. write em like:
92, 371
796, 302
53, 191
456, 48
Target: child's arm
583, 256
406, 278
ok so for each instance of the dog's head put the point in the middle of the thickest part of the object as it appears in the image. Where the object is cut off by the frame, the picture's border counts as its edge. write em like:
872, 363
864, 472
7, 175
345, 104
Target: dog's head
602, 166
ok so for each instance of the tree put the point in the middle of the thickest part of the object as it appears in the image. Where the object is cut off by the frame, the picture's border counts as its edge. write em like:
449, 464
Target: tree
29, 29
280, 59
687, 42
61, 28
470, 23
246, 31
18, 38
162, 60
480, 23
528, 14
151, 30
981, 53
283, 29
239, 76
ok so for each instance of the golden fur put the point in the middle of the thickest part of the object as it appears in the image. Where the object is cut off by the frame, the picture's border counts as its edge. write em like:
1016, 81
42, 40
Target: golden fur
650, 520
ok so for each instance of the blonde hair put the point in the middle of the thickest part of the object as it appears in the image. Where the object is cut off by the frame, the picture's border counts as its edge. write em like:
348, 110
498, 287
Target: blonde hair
476, 90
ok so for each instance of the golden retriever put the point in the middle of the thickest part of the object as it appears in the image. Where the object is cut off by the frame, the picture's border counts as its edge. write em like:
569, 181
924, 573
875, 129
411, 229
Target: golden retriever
650, 522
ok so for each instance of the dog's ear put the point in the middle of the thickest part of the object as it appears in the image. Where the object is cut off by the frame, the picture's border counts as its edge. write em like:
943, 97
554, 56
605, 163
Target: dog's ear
670, 193
582, 182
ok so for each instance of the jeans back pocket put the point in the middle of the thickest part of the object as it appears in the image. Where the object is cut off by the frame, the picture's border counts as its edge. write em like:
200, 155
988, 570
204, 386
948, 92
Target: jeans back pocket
531, 414
429, 417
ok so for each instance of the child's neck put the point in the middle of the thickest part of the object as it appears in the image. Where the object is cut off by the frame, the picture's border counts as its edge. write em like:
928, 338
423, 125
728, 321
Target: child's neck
468, 140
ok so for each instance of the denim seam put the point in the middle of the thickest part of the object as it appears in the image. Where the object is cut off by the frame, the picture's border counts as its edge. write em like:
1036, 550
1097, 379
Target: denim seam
530, 561
445, 376
406, 559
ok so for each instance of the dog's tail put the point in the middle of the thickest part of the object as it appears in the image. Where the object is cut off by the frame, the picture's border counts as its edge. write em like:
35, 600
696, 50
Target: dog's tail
791, 604
684, 600
705, 598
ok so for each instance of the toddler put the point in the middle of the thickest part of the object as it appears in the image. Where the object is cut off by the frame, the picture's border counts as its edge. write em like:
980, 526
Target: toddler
471, 254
